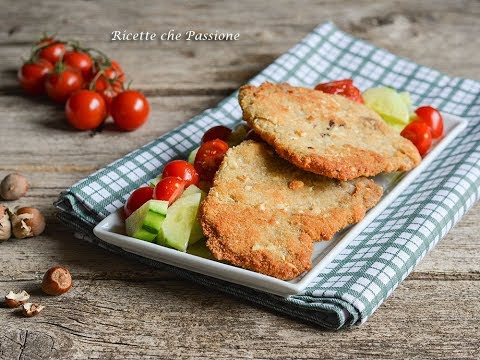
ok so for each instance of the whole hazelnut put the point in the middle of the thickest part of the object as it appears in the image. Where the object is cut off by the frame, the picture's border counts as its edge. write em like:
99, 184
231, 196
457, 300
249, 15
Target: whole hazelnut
27, 222
57, 281
13, 187
5, 224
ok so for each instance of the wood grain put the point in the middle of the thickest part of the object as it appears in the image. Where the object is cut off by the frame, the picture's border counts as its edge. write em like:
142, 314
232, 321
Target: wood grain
122, 309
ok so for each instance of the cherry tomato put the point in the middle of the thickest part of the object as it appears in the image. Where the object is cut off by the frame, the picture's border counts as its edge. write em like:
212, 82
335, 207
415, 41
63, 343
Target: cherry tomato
209, 157
130, 110
108, 95
32, 76
432, 118
80, 61
182, 170
60, 85
85, 110
419, 134
342, 87
169, 189
137, 199
217, 132
112, 76
52, 53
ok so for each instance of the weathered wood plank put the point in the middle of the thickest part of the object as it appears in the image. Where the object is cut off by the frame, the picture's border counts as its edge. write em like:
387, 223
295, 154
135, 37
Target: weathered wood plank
35, 136
172, 319
430, 34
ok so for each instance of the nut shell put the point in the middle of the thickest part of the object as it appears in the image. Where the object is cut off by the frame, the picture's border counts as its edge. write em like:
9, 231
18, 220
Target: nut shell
57, 281
27, 222
13, 187
5, 224
30, 309
13, 300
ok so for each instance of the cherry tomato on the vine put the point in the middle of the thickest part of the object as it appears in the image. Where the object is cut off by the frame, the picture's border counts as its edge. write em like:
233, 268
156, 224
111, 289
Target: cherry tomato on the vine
112, 76
342, 87
80, 61
85, 110
419, 134
182, 170
217, 132
61, 85
52, 53
130, 110
169, 189
432, 118
108, 95
32, 76
209, 157
137, 199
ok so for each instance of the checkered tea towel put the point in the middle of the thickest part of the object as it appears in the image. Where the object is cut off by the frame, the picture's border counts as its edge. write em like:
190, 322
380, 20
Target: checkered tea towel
358, 280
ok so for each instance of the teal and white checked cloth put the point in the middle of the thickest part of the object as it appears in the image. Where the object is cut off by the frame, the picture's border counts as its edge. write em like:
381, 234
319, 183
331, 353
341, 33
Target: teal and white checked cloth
358, 280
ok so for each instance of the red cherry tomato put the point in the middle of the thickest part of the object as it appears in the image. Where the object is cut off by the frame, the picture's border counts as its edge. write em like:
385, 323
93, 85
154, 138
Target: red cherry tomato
85, 110
182, 170
342, 87
130, 110
108, 95
169, 189
217, 132
209, 157
32, 76
137, 199
52, 53
113, 75
432, 118
80, 61
60, 86
419, 134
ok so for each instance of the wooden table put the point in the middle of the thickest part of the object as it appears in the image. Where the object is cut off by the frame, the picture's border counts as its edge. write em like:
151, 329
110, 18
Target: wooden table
119, 309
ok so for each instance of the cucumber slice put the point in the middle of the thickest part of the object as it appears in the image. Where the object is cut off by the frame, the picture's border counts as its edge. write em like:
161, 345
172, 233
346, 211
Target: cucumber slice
192, 189
197, 231
389, 104
191, 156
200, 249
146, 222
178, 224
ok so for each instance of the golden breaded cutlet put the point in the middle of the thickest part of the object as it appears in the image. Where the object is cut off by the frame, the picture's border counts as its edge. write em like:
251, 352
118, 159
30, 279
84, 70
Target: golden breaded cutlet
326, 134
264, 213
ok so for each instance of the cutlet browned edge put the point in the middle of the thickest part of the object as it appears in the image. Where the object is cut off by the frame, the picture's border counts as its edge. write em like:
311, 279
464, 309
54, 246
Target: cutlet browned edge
216, 215
360, 162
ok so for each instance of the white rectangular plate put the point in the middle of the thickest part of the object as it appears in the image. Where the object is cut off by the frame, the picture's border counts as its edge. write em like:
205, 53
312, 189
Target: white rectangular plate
111, 230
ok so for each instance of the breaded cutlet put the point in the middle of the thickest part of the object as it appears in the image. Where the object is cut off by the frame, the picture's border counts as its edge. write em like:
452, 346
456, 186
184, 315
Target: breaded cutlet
264, 213
326, 134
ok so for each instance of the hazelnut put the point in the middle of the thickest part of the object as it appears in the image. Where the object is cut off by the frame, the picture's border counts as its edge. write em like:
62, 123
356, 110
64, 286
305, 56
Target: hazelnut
57, 281
27, 222
30, 309
13, 187
14, 300
5, 224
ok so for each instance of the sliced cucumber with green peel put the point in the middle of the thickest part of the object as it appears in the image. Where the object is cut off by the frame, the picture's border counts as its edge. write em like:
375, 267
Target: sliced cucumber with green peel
146, 222
191, 156
392, 106
179, 222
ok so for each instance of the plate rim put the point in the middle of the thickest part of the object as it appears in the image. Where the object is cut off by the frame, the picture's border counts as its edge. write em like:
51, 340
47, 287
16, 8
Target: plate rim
254, 279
